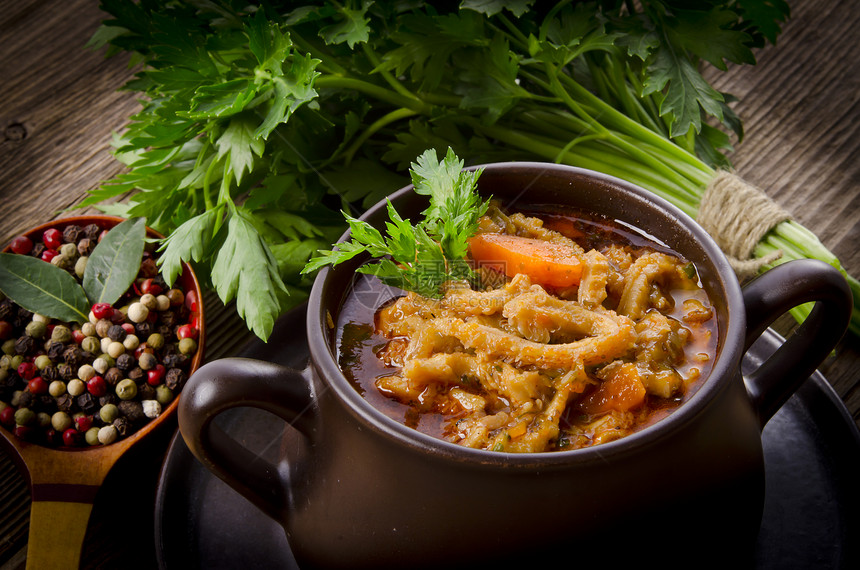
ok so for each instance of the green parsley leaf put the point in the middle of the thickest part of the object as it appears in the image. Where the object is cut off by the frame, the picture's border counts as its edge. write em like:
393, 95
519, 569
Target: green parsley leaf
421, 257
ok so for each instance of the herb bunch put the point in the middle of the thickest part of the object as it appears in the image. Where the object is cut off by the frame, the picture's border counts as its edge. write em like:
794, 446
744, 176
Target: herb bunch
260, 123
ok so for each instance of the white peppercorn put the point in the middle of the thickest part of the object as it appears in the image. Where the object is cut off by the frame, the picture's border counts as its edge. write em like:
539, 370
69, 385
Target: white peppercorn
107, 434
137, 312
76, 387
162, 302
151, 408
115, 349
100, 365
149, 301
88, 329
86, 371
61, 421
105, 343
57, 388
102, 327
131, 342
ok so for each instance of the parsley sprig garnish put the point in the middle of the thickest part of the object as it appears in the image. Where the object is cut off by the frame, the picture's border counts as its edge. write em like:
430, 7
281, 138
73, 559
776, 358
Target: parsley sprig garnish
423, 256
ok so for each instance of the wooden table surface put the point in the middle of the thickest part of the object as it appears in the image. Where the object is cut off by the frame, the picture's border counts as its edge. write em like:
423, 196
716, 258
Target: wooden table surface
59, 103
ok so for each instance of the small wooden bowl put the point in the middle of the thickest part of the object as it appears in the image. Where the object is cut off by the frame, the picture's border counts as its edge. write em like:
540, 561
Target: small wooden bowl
64, 481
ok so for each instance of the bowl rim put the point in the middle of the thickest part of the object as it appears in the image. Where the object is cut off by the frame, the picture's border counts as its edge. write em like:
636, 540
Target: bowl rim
725, 369
187, 276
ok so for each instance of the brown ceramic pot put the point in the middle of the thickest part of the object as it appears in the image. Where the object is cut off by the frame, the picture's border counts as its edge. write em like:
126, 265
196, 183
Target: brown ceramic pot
357, 489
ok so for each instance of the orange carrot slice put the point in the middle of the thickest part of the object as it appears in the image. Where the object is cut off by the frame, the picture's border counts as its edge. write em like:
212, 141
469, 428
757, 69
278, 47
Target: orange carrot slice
621, 392
546, 263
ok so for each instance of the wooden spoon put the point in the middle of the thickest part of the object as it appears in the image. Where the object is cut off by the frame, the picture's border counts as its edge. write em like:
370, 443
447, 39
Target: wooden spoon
64, 481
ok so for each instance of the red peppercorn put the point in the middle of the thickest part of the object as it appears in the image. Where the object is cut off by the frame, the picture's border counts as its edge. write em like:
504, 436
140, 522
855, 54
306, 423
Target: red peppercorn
48, 255
37, 385
103, 234
194, 321
128, 328
191, 301
150, 286
21, 245
186, 331
5, 330
24, 432
102, 310
71, 437
52, 238
7, 416
78, 335
97, 386
27, 370
155, 376
83, 423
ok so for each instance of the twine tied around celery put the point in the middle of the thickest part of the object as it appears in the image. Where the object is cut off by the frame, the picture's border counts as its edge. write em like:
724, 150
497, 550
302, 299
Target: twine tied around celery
738, 215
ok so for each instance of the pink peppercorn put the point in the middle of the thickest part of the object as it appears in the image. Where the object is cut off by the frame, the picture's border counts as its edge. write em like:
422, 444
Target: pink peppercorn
52, 238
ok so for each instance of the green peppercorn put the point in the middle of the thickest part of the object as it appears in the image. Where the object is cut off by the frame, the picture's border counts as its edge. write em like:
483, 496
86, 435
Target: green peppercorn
62, 334
43, 420
91, 344
61, 261
108, 413
81, 266
42, 361
187, 345
126, 389
8, 347
92, 436
36, 329
24, 416
61, 421
70, 250
163, 394
155, 341
131, 342
5, 362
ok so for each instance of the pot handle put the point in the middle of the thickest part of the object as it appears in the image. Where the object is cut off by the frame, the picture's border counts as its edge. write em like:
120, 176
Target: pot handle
244, 382
771, 295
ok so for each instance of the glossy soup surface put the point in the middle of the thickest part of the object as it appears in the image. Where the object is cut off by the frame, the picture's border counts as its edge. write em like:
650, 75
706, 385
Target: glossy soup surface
528, 362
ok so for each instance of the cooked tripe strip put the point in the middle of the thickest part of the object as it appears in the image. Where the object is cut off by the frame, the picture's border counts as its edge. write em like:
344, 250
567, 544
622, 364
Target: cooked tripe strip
596, 272
639, 278
615, 338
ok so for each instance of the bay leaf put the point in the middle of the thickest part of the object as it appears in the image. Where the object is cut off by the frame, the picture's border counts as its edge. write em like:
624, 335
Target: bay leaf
43, 288
115, 262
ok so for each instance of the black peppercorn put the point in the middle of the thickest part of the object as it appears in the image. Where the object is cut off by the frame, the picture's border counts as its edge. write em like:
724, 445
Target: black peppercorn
137, 374
143, 329
113, 375
107, 399
6, 309
66, 372
45, 403
175, 379
38, 249
145, 392
117, 333
92, 231
131, 409
66, 403
87, 403
86, 246
168, 319
50, 373
24, 344
73, 356
123, 426
25, 399
125, 362
55, 351
71, 233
